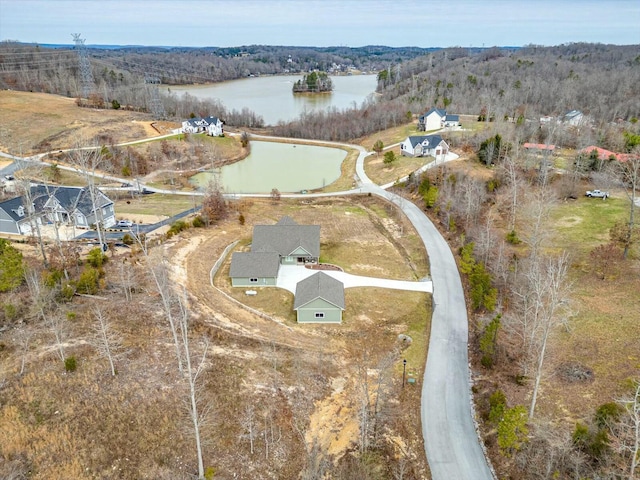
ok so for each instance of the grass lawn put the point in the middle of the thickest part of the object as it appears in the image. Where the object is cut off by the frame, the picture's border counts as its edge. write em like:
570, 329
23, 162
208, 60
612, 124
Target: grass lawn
604, 332
156, 204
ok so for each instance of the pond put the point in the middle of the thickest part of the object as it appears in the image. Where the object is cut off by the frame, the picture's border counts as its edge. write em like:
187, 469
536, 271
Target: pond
285, 166
272, 97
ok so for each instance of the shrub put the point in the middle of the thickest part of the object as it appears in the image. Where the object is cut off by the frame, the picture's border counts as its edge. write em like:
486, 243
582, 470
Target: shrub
389, 157
497, 406
89, 281
198, 222
241, 219
127, 239
11, 266
607, 413
512, 238
177, 227
512, 430
10, 311
96, 258
488, 342
70, 364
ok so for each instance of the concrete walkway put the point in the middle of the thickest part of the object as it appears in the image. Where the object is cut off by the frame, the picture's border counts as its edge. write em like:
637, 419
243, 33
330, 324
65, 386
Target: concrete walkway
290, 275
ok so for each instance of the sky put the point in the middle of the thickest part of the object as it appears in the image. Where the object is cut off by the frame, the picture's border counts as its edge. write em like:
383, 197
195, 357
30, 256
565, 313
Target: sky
322, 23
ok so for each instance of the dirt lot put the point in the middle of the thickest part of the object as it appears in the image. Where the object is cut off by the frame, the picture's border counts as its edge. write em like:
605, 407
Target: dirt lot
38, 122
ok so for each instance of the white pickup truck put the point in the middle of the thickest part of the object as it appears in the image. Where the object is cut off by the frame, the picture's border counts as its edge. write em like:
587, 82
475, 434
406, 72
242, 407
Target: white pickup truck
597, 194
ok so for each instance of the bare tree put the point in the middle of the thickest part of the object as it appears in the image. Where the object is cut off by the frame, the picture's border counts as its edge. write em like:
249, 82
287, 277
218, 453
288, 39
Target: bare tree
626, 431
107, 342
160, 272
196, 413
214, 205
42, 299
23, 339
249, 424
630, 173
548, 280
87, 160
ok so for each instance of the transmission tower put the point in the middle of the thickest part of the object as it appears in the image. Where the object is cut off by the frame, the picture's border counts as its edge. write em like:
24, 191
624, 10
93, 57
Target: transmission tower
156, 106
86, 77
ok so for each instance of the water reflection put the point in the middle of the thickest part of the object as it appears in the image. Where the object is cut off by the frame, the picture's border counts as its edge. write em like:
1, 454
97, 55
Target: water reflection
287, 167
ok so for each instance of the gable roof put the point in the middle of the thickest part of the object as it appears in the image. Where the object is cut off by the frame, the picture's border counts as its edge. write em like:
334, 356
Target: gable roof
254, 264
284, 238
441, 113
211, 120
70, 198
12, 206
432, 140
452, 118
319, 285
572, 114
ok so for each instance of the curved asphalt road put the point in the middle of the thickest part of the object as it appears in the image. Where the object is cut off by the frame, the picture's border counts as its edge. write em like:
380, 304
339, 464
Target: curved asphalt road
450, 438
451, 442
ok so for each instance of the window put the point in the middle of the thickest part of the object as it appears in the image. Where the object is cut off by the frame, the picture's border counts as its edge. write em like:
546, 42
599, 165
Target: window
319, 314
253, 280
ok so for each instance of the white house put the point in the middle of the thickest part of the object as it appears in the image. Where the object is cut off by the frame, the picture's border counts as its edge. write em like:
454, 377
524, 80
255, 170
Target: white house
451, 121
423, 146
432, 120
214, 126
211, 125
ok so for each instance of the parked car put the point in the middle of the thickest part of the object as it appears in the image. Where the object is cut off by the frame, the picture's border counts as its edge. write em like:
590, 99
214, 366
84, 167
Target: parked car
124, 224
597, 194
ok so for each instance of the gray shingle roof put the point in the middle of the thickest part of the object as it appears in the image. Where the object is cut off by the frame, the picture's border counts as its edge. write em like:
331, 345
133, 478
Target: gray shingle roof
441, 113
70, 198
452, 118
252, 264
319, 285
11, 206
433, 140
284, 238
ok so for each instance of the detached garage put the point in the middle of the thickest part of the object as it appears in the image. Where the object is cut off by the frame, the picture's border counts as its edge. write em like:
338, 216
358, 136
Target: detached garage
319, 299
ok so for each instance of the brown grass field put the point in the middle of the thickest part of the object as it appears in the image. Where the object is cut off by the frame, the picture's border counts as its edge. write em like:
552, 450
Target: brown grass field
302, 380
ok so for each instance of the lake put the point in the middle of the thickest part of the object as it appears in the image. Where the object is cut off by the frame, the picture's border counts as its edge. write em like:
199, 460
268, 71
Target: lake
273, 99
285, 166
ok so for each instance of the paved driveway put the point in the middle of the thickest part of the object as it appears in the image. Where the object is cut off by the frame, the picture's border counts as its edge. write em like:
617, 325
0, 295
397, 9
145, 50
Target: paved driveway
290, 275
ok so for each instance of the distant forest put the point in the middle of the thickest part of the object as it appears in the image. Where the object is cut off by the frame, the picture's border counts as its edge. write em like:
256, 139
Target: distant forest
603, 81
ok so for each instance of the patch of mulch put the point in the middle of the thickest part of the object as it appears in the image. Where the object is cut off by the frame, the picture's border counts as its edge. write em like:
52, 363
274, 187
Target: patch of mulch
323, 266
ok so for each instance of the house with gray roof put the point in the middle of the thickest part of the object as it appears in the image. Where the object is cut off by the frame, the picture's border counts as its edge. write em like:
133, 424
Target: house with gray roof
574, 117
423, 146
432, 120
254, 269
75, 205
15, 218
294, 244
451, 121
319, 299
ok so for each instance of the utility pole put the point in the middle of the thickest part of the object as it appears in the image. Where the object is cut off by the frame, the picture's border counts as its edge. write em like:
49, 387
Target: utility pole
86, 77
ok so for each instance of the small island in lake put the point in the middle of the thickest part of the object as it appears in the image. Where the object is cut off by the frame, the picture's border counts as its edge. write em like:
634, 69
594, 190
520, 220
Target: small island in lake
315, 82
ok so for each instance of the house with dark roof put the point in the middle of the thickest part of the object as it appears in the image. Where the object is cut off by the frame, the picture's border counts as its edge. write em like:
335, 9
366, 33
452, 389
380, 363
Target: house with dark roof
75, 205
432, 120
451, 121
294, 244
319, 299
211, 125
15, 218
423, 146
